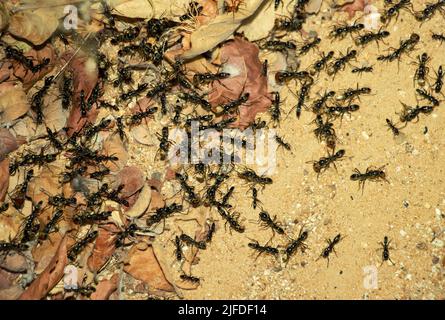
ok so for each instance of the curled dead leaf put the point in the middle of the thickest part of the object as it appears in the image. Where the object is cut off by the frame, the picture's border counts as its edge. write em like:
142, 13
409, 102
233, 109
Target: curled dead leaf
4, 179
53, 273
104, 247
105, 288
243, 63
141, 205
8, 143
133, 180
4, 16
208, 36
85, 77
35, 26
13, 102
113, 146
43, 253
14, 262
143, 265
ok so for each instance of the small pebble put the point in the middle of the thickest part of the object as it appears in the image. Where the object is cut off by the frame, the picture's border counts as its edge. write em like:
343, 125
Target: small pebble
421, 246
405, 203
403, 233
438, 243
435, 260
365, 135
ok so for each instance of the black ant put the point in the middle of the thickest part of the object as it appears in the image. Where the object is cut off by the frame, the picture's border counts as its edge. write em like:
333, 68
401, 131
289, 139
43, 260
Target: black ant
255, 199
99, 175
324, 163
409, 114
126, 35
438, 37
51, 225
363, 69
61, 201
268, 222
392, 127
308, 46
371, 36
275, 111
226, 197
350, 93
192, 242
293, 246
283, 143
430, 9
394, 10
340, 32
304, 92
385, 253
196, 99
3, 207
91, 130
129, 231
191, 196
250, 176
210, 232
107, 13
134, 93
325, 131
287, 75
124, 75
280, 46
32, 226
137, 118
231, 219
320, 103
422, 70
205, 78
265, 68
405, 46
230, 106
194, 9
370, 174
164, 143
18, 195
84, 218
425, 95
77, 248
439, 80
37, 99
53, 139
330, 248
156, 27
163, 213
178, 249
292, 24
322, 63
340, 63
190, 278
263, 249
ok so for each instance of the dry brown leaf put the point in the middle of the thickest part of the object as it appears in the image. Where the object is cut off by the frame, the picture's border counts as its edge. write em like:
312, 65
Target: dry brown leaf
35, 26
13, 102
4, 16
313, 6
45, 184
85, 77
141, 204
142, 9
4, 179
143, 265
260, 24
208, 36
14, 262
241, 57
53, 273
114, 146
11, 293
43, 253
105, 288
8, 143
357, 5
104, 247
133, 180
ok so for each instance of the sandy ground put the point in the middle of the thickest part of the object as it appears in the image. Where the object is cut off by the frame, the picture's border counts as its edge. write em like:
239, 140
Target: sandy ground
409, 209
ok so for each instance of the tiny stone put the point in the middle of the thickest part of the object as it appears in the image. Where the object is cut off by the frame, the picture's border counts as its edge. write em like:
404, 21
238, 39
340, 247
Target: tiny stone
421, 246
365, 135
403, 233
435, 260
427, 206
405, 203
438, 243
